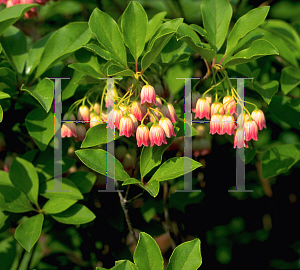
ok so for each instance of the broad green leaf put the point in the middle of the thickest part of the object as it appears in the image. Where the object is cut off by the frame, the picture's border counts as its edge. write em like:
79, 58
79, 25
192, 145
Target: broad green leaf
29, 231
3, 218
64, 41
124, 265
13, 200
76, 214
69, 189
290, 78
71, 88
43, 92
156, 47
98, 50
116, 70
258, 48
10, 15
7, 252
134, 27
284, 112
267, 91
147, 255
14, 46
95, 159
188, 35
58, 204
91, 68
24, 177
200, 31
244, 25
151, 187
173, 168
4, 95
0, 48
8, 77
279, 159
40, 126
165, 28
95, 136
154, 24
131, 181
152, 156
4, 178
216, 15
186, 256
35, 54
83, 180
1, 114
108, 35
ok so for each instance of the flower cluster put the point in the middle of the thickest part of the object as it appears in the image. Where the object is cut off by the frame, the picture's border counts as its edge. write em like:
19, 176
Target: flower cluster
223, 119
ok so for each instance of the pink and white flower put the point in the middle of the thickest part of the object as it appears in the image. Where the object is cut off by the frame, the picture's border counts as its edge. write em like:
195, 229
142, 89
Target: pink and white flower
142, 135
202, 108
148, 95
251, 130
126, 126
157, 135
114, 118
167, 126
259, 117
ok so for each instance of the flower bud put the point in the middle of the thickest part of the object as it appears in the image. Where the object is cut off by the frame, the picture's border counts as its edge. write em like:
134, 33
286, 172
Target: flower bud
228, 124
114, 118
135, 121
157, 135
229, 103
142, 135
202, 108
251, 130
126, 126
83, 113
68, 129
239, 138
148, 95
80, 132
167, 126
96, 108
195, 97
158, 102
137, 110
111, 96
259, 117
95, 120
169, 112
217, 106
215, 124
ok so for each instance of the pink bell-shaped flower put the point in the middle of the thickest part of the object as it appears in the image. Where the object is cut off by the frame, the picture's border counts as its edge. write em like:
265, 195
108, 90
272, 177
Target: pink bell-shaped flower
80, 132
243, 117
158, 102
142, 135
157, 135
259, 117
202, 108
229, 103
217, 106
138, 110
126, 126
68, 129
135, 121
239, 138
95, 120
83, 113
169, 112
114, 118
215, 124
228, 124
148, 95
251, 130
167, 126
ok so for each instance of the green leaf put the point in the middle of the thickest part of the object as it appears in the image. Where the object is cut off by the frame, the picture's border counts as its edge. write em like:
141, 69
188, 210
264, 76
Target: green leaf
64, 41
4, 178
9, 77
35, 54
180, 124
83, 180
187, 34
40, 126
70, 89
4, 95
279, 159
200, 31
186, 256
116, 70
10, 15
98, 50
95, 136
267, 91
151, 187
43, 92
244, 25
152, 156
14, 46
216, 15
290, 78
124, 265
7, 252
131, 181
58, 204
108, 35
147, 255
258, 48
24, 177
67, 184
76, 214
1, 114
91, 69
29, 231
154, 24
134, 27
173, 168
13, 200
3, 218
95, 159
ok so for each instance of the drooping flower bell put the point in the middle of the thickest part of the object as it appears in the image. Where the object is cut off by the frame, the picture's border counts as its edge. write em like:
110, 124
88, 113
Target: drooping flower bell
259, 117
243, 117
135, 121
195, 97
228, 124
229, 103
80, 132
138, 110
202, 108
217, 106
68, 129
142, 135
126, 126
239, 138
157, 135
83, 113
158, 102
251, 130
148, 95
114, 118
169, 112
215, 124
167, 126
96, 108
